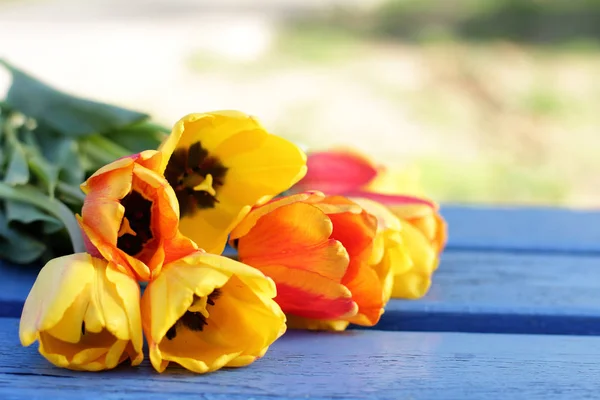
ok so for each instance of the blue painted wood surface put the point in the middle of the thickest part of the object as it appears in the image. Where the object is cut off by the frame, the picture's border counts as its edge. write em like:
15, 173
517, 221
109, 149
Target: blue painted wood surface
535, 272
542, 230
472, 292
350, 365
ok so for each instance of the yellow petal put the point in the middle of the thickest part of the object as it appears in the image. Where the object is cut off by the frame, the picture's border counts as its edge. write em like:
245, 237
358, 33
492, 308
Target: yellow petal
261, 171
58, 285
244, 305
78, 317
209, 228
415, 282
210, 129
171, 293
128, 292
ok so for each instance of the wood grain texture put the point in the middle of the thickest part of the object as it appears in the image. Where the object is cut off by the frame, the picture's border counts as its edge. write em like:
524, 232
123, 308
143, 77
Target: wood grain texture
471, 292
506, 293
350, 365
550, 230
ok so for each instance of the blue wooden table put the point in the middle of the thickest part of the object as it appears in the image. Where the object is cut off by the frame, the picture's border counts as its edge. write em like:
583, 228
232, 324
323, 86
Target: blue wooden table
514, 313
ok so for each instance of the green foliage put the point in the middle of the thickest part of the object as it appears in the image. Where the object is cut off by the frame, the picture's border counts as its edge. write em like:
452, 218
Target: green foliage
50, 142
69, 115
532, 21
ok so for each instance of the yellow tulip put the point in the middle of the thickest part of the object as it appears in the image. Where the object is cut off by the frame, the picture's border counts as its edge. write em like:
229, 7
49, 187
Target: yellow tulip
403, 249
426, 219
84, 313
222, 163
206, 311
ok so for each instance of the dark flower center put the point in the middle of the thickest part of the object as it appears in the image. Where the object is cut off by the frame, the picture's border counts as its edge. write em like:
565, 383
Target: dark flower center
195, 176
193, 320
135, 229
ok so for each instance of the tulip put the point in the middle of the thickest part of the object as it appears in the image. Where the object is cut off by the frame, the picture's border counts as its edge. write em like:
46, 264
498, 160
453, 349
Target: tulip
221, 164
426, 219
350, 173
84, 313
402, 249
316, 249
130, 216
337, 172
206, 311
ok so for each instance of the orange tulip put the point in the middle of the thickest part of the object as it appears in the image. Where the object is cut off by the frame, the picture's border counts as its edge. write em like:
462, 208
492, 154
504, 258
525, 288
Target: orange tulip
130, 216
352, 174
317, 250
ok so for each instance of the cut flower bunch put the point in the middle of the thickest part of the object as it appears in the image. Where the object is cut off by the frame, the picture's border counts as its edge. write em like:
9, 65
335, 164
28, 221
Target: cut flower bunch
318, 245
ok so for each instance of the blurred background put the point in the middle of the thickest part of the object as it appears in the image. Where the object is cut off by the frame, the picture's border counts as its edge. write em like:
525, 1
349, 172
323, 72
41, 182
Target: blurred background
486, 101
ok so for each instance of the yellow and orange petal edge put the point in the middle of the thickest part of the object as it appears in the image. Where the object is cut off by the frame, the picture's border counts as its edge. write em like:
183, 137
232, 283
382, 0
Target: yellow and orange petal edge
322, 242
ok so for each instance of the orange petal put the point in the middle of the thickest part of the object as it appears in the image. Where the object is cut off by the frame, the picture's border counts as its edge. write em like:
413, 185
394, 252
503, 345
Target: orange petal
291, 245
367, 291
256, 213
355, 231
309, 295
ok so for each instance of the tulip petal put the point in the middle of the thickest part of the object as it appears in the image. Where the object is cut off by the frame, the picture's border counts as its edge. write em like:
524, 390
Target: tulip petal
291, 245
210, 227
59, 284
391, 200
210, 129
112, 180
262, 164
367, 291
128, 292
411, 285
337, 172
171, 293
242, 306
294, 229
415, 282
256, 213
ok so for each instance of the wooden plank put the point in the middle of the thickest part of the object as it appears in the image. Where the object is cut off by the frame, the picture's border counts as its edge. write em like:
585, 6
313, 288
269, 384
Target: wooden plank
351, 365
506, 293
472, 292
550, 230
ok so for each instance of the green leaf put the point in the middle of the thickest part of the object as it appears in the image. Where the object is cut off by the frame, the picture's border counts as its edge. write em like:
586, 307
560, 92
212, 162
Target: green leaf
3, 148
17, 246
31, 195
61, 151
69, 115
27, 213
17, 172
97, 151
43, 170
72, 171
139, 137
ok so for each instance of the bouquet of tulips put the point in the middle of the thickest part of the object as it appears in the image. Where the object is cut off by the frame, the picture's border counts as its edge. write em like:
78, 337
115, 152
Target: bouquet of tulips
321, 242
